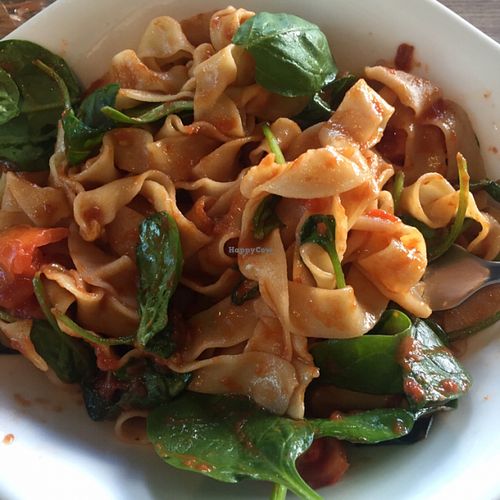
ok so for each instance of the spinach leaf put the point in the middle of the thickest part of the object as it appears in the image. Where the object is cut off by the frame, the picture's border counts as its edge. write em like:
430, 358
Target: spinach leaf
83, 132
91, 109
27, 140
279, 492
317, 110
265, 220
229, 438
151, 115
432, 375
397, 189
338, 89
292, 56
399, 357
320, 229
491, 187
162, 344
160, 261
140, 384
273, 144
90, 336
456, 227
324, 103
246, 290
369, 363
71, 359
9, 98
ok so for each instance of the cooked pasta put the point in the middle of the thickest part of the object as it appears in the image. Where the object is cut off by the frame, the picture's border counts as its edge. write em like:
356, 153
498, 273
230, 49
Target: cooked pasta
277, 255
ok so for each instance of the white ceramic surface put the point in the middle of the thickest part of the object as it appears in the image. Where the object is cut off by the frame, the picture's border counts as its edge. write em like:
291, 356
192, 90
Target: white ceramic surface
59, 454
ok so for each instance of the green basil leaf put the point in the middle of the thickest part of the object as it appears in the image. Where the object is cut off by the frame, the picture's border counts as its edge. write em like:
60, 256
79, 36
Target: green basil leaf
316, 111
292, 56
320, 229
160, 261
229, 438
339, 88
71, 359
324, 103
9, 98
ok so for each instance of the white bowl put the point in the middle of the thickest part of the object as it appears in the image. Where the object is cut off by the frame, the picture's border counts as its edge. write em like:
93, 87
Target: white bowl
58, 453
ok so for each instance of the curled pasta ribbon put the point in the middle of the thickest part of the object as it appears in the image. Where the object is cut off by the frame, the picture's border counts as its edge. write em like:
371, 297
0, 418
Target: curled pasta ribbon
427, 130
433, 201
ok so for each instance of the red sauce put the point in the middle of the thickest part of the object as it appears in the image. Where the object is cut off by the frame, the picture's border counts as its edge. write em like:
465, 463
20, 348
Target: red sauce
398, 427
106, 360
382, 214
450, 386
193, 463
404, 57
336, 415
8, 439
413, 389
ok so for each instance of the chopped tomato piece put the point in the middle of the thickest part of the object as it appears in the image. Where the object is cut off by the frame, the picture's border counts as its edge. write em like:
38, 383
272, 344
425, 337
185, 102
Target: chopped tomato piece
324, 463
382, 214
19, 254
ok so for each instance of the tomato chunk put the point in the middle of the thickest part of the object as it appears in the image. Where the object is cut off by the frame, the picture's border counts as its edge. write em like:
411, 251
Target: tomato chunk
324, 463
19, 254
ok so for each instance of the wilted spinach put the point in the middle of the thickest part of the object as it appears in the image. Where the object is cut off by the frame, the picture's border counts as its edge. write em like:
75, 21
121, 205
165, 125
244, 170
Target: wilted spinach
399, 357
320, 229
235, 439
148, 116
491, 187
71, 359
265, 219
368, 363
27, 137
83, 133
140, 384
292, 56
159, 261
9, 98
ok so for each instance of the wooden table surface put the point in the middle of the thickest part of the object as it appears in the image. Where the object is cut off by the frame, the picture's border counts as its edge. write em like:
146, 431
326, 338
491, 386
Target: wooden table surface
484, 14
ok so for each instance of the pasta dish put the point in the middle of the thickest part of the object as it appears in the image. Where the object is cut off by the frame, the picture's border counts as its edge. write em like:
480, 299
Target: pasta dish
222, 241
